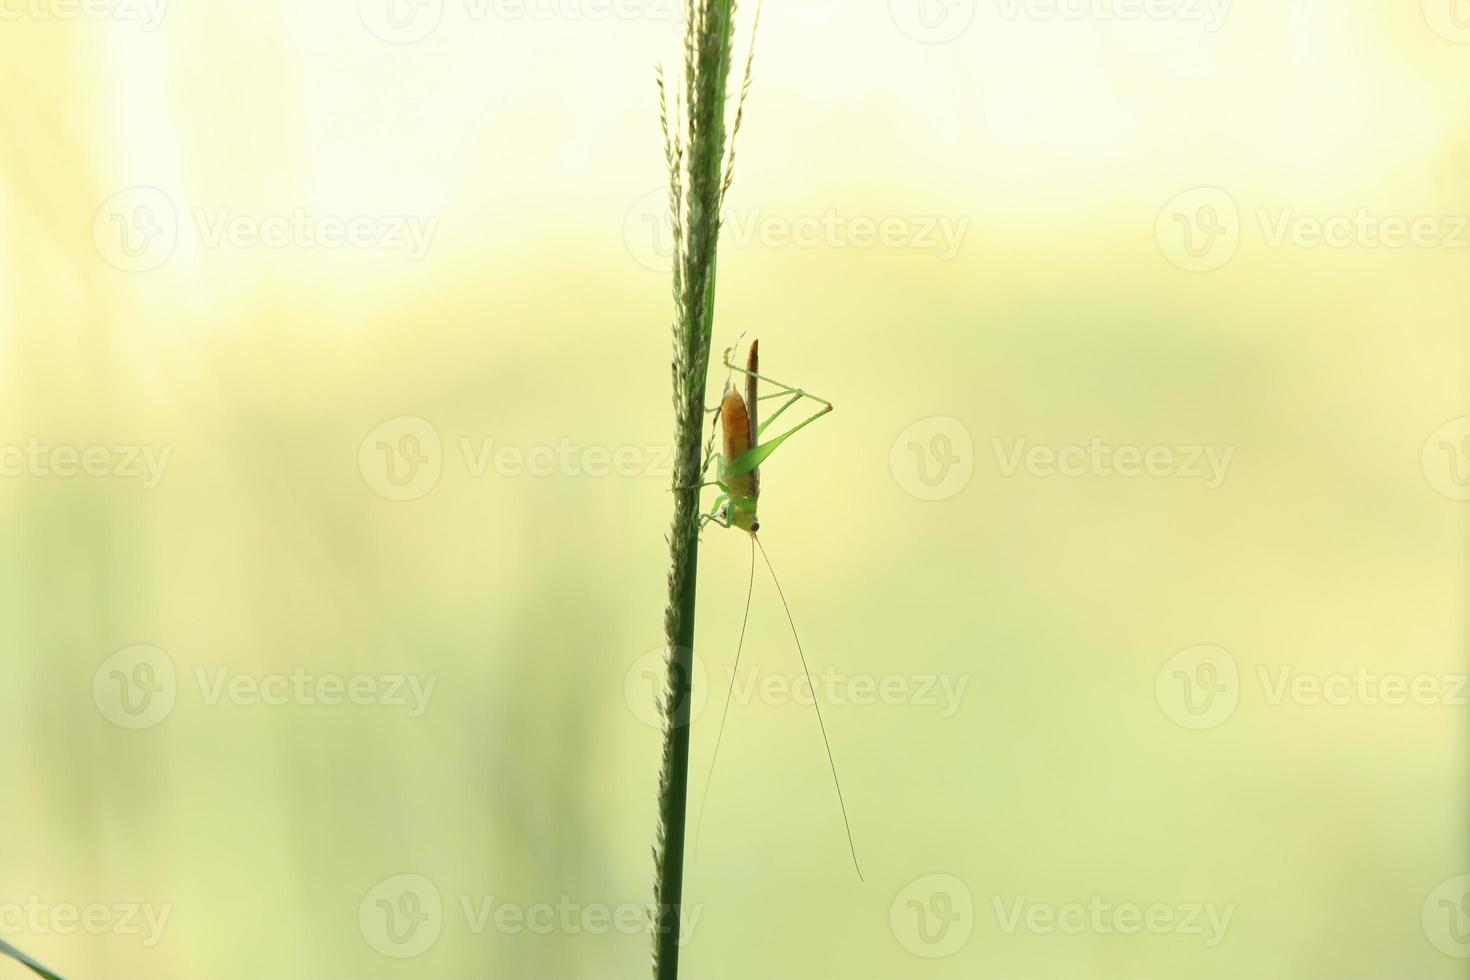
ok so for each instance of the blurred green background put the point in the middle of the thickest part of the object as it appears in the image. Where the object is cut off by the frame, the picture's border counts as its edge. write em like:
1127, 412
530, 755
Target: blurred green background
353, 682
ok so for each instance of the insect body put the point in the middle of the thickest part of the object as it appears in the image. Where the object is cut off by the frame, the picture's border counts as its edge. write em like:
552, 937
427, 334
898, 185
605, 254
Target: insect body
738, 428
742, 450
739, 480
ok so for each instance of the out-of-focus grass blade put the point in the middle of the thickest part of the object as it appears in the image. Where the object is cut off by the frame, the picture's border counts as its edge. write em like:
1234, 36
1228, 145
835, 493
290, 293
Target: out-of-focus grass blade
20, 957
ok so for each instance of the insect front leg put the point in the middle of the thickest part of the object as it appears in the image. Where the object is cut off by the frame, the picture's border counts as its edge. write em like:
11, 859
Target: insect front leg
717, 514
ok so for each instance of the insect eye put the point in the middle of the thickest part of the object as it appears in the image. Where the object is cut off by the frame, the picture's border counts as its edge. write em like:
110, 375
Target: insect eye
755, 525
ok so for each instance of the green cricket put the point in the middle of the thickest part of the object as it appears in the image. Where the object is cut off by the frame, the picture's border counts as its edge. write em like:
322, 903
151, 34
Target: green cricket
743, 453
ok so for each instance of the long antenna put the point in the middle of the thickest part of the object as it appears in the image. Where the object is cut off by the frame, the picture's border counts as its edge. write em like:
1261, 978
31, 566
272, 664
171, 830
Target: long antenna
749, 591
825, 741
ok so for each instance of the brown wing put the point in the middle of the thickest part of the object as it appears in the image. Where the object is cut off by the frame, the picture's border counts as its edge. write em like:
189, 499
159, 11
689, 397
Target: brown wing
735, 425
752, 407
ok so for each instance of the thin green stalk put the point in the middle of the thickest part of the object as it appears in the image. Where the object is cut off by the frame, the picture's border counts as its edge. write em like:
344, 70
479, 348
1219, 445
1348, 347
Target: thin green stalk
36, 968
697, 180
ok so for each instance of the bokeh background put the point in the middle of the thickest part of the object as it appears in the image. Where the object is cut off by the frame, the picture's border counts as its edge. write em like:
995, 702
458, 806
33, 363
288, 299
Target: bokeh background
384, 464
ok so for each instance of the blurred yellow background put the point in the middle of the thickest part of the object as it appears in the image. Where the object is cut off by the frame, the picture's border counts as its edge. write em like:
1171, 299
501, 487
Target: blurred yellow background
333, 412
